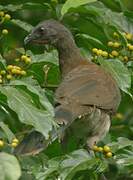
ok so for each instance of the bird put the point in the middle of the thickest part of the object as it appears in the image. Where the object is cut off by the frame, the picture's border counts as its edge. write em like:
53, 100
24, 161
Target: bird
86, 97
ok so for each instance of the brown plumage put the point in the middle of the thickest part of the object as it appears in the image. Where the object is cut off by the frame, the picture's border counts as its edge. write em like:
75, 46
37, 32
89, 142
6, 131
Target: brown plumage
87, 95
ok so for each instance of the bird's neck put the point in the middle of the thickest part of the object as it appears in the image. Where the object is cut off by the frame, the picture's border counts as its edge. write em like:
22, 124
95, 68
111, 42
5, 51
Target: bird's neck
69, 55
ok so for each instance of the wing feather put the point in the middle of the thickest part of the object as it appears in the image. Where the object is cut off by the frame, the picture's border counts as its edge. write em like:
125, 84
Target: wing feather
89, 85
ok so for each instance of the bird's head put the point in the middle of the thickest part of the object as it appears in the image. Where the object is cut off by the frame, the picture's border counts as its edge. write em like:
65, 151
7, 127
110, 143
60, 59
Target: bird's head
47, 32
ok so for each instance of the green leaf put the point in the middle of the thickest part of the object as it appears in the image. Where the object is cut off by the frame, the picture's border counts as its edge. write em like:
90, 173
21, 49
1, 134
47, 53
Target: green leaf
2, 63
77, 161
92, 40
73, 4
119, 72
21, 103
24, 25
48, 171
116, 5
117, 19
51, 57
121, 143
20, 50
36, 90
7, 131
11, 7
33, 163
67, 166
9, 167
53, 75
124, 161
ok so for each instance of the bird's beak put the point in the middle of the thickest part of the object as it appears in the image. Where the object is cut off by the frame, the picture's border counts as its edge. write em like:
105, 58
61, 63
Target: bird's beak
31, 38
28, 39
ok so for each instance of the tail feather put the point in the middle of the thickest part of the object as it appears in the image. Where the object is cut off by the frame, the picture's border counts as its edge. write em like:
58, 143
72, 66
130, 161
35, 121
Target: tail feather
97, 123
35, 142
31, 144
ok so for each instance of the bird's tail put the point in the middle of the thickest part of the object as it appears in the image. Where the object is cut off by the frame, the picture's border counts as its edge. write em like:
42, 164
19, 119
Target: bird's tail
35, 142
97, 122
31, 144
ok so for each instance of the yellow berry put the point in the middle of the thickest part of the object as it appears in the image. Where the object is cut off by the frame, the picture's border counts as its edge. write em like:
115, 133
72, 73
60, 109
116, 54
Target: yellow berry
115, 34
7, 17
94, 50
2, 72
95, 148
128, 36
17, 59
1, 81
116, 44
18, 71
111, 56
28, 60
13, 144
120, 57
15, 140
115, 53
9, 76
0, 76
1, 143
125, 58
128, 44
109, 154
106, 148
99, 52
9, 67
4, 31
23, 57
119, 116
100, 149
110, 43
23, 73
130, 47
15, 71
2, 13
17, 67
105, 54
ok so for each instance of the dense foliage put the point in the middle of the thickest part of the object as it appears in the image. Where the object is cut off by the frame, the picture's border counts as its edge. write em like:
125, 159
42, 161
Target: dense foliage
103, 30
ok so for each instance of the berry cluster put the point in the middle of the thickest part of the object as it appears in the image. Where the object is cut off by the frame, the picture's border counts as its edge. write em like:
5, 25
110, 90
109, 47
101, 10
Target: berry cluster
4, 17
100, 52
117, 49
10, 72
14, 71
105, 150
25, 59
14, 143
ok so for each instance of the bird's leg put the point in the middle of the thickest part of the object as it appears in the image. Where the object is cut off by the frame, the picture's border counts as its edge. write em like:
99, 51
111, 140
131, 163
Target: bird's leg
92, 141
100, 124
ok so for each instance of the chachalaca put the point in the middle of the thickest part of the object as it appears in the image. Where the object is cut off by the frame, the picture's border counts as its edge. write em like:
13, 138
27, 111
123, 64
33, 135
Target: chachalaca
87, 95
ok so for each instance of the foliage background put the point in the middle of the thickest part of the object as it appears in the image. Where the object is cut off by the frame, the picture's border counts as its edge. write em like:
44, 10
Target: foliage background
92, 26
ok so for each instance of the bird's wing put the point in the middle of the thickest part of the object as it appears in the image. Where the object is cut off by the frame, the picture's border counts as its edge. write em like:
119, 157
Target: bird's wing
89, 85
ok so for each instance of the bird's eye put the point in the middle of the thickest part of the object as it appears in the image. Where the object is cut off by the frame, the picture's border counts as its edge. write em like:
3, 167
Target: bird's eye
42, 29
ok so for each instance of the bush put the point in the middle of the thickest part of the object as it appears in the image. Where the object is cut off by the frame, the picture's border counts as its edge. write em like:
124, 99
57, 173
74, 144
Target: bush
103, 30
